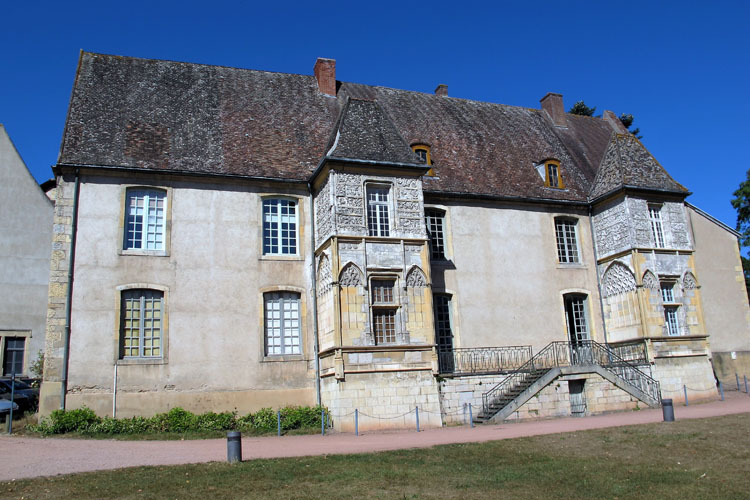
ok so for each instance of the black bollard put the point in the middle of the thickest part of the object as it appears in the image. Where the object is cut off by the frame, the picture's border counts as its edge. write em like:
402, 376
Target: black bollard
234, 447
668, 410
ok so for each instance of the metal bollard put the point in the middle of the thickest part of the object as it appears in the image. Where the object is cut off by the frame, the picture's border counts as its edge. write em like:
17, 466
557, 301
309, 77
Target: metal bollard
234, 447
356, 422
721, 390
471, 417
746, 384
417, 410
278, 421
684, 388
323, 422
667, 410
465, 413
737, 377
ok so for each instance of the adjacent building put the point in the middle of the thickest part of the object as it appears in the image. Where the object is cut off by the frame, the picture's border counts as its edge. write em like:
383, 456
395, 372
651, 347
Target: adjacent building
240, 239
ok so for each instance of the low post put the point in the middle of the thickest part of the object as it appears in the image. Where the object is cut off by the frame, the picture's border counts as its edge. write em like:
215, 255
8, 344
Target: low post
721, 390
746, 384
465, 412
416, 408
278, 421
667, 410
234, 447
471, 417
737, 377
323, 422
684, 389
13, 396
356, 422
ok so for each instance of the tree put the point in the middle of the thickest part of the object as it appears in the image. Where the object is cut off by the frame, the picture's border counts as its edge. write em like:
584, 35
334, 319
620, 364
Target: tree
627, 120
580, 108
741, 203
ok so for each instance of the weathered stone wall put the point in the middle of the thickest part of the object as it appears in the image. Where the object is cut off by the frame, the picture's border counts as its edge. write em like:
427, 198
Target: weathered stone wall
457, 392
695, 372
385, 400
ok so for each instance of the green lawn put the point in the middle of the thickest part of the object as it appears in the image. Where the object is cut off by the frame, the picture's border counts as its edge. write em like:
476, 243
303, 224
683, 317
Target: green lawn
687, 459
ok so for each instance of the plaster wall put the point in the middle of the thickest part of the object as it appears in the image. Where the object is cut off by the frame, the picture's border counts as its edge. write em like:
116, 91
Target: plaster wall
26, 228
507, 284
213, 276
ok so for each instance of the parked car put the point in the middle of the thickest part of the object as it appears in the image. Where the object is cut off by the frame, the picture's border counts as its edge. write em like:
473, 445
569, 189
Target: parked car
5, 406
24, 395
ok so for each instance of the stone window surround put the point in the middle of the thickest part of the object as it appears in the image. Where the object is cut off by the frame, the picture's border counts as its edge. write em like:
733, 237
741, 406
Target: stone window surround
559, 219
26, 334
164, 358
397, 306
261, 324
122, 233
301, 247
389, 204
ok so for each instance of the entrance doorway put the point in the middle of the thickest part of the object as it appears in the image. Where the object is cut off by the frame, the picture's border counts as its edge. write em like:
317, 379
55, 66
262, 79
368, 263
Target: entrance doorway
578, 330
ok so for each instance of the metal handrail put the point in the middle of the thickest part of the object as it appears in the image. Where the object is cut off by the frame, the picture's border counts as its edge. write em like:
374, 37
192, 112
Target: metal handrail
475, 360
586, 352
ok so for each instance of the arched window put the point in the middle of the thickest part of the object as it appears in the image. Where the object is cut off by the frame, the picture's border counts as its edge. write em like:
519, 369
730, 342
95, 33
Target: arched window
553, 174
423, 151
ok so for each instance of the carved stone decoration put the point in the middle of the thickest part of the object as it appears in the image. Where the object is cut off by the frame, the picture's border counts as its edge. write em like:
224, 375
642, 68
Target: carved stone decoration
650, 281
413, 248
351, 276
641, 223
323, 213
324, 278
689, 282
410, 183
617, 279
350, 245
611, 230
416, 278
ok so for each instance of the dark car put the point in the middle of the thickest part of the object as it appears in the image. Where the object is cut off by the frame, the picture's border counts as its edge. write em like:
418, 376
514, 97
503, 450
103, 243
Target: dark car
25, 396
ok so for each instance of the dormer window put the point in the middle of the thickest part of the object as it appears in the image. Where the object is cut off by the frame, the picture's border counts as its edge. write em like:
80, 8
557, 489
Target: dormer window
423, 151
553, 176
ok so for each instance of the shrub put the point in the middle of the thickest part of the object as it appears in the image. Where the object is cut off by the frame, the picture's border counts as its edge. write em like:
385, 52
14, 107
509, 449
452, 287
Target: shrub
180, 420
62, 421
216, 421
299, 417
264, 419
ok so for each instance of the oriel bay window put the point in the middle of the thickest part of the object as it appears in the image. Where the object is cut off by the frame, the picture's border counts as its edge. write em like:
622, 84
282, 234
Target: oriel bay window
384, 309
378, 210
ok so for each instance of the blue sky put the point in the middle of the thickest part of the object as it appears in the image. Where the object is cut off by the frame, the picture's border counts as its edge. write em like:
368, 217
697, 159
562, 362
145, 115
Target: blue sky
681, 68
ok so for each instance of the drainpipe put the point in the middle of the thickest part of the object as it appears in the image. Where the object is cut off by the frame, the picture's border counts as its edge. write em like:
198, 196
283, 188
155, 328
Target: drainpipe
598, 280
69, 299
314, 294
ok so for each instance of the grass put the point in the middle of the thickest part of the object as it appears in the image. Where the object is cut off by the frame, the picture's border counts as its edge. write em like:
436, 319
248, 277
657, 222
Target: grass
707, 458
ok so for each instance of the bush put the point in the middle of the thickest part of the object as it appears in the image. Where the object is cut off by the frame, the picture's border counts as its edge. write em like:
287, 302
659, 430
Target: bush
85, 421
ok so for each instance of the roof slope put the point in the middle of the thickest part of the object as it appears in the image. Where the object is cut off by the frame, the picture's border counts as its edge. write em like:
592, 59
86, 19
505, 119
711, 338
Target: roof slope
173, 116
628, 163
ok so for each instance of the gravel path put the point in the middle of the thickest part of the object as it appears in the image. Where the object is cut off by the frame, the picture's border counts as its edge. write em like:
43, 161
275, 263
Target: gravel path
22, 457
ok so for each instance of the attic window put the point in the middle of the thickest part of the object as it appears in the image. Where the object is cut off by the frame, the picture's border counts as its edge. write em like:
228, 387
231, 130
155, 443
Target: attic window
552, 174
423, 151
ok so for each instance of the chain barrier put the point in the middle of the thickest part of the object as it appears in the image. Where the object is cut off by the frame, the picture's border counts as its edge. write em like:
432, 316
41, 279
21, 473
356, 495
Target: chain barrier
714, 389
386, 418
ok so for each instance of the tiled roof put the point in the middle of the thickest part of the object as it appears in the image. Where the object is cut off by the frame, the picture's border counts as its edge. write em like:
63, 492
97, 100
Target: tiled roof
163, 115
627, 163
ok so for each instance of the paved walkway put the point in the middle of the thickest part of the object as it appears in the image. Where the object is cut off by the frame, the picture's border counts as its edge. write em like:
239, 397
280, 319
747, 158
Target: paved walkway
30, 457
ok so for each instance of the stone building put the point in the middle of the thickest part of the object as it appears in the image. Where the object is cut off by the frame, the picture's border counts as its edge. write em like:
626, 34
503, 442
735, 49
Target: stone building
26, 230
243, 239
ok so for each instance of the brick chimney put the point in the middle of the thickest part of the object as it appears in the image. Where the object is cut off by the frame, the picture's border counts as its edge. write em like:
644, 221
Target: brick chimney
553, 104
325, 73
442, 90
614, 122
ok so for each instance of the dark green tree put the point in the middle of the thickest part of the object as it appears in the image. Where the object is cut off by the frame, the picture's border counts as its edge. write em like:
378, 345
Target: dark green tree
741, 203
580, 108
627, 120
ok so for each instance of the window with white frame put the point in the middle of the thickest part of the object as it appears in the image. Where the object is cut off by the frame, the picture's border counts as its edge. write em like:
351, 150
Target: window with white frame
141, 323
145, 219
567, 240
282, 323
654, 213
279, 226
378, 210
384, 309
671, 308
435, 220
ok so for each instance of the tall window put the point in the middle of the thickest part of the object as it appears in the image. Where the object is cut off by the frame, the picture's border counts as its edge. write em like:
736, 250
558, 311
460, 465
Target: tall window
13, 355
567, 241
378, 222
435, 220
141, 323
384, 311
553, 177
575, 315
654, 212
282, 323
443, 331
145, 219
279, 226
671, 308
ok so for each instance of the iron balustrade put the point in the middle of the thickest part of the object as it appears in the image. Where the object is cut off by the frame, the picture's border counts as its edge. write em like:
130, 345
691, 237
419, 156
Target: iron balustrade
476, 360
633, 352
561, 354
